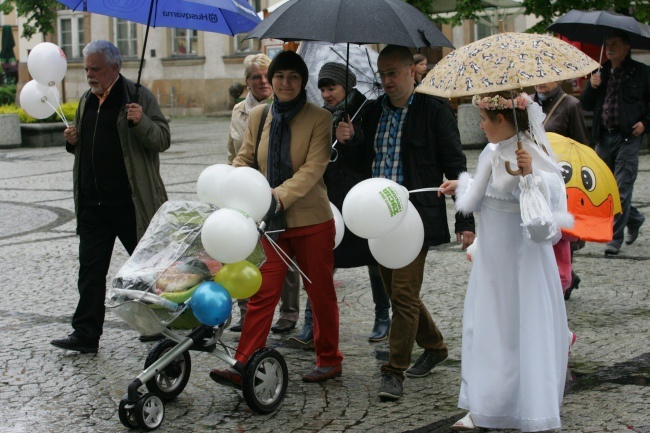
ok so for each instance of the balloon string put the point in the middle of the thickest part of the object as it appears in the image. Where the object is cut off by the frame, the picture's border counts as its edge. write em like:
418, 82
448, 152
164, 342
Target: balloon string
60, 114
281, 253
424, 190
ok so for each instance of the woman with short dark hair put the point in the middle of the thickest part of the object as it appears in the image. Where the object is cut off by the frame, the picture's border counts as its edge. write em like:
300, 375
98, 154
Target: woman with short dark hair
293, 152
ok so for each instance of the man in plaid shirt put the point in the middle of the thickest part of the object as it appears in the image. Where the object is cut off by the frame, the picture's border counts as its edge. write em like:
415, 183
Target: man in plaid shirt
412, 139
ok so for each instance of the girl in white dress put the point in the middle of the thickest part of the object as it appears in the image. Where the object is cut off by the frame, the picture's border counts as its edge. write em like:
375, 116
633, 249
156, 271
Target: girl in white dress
515, 335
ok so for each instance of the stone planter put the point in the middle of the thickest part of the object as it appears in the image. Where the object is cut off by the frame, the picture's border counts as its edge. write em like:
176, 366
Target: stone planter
10, 127
42, 134
469, 126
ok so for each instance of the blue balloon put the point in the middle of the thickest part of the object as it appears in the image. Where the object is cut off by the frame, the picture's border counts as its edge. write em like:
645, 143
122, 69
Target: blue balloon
211, 303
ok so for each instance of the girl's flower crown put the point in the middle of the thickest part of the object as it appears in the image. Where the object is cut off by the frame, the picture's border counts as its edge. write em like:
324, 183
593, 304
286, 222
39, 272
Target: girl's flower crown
498, 102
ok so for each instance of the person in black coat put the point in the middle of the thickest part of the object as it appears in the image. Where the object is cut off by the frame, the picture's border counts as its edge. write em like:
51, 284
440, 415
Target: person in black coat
412, 139
346, 170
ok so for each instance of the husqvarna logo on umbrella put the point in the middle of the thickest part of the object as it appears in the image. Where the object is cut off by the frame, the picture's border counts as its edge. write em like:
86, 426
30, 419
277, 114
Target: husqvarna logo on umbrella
213, 18
123, 5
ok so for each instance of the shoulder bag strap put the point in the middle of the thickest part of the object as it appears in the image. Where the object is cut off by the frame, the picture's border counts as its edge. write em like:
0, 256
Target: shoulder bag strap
259, 135
548, 116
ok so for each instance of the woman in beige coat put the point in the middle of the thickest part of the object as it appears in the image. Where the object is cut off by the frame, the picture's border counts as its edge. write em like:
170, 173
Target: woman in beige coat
294, 150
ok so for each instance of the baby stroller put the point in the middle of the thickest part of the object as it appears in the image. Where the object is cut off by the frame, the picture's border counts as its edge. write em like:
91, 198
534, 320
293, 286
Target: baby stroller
152, 293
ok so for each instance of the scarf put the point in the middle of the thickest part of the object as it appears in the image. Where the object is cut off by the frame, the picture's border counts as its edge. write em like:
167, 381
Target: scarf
552, 94
278, 168
338, 110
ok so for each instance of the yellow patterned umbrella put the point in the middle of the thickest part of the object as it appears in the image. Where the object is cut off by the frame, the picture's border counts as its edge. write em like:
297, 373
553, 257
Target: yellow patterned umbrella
505, 61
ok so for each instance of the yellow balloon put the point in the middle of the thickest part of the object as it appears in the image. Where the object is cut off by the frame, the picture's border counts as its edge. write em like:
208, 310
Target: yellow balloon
241, 279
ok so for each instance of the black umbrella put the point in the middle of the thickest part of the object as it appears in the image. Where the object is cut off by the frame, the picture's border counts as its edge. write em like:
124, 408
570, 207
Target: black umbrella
593, 26
353, 21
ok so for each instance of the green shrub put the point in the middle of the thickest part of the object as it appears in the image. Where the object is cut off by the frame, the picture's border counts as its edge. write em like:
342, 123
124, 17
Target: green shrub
69, 110
7, 94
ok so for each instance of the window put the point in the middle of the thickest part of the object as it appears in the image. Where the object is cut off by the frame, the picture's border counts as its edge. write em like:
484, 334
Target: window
246, 47
241, 46
185, 42
71, 33
126, 37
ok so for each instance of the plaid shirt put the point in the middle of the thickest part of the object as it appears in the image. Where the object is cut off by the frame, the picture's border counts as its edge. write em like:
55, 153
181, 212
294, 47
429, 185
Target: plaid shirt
610, 106
388, 142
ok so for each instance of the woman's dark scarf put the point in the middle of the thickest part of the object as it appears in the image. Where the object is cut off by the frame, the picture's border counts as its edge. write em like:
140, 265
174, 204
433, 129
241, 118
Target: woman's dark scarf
279, 156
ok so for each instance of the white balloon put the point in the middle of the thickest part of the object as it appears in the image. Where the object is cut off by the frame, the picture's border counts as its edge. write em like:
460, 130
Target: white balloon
47, 63
208, 185
39, 101
402, 245
338, 224
247, 189
374, 207
229, 235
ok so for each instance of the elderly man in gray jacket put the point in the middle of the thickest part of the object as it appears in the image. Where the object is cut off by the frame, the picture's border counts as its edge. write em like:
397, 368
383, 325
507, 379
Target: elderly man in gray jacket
116, 139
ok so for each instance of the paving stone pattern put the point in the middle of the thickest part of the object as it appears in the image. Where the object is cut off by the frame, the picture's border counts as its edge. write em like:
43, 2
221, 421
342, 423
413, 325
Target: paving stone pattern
45, 389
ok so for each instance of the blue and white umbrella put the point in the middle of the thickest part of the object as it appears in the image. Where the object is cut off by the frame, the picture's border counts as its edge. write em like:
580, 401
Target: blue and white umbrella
228, 17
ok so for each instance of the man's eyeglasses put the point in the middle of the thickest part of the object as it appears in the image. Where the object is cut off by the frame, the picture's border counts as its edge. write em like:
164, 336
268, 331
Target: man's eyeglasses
392, 73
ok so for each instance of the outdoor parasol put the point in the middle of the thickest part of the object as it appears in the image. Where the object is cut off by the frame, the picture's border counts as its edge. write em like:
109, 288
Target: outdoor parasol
592, 192
593, 27
505, 61
219, 16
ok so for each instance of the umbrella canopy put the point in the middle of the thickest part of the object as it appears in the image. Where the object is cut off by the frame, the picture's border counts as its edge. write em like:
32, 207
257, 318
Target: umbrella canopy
354, 21
593, 26
505, 61
362, 63
220, 16
592, 192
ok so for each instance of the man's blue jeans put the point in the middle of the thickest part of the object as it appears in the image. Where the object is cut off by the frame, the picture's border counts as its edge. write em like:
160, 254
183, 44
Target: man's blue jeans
622, 157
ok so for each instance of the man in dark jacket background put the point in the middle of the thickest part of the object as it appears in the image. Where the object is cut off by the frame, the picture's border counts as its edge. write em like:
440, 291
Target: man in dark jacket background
620, 97
412, 139
117, 184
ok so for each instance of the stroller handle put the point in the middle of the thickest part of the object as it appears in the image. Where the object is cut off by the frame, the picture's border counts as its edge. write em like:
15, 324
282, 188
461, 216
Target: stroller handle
148, 297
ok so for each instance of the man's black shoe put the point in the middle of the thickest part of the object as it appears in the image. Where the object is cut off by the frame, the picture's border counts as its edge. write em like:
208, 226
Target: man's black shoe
425, 364
74, 343
390, 388
632, 234
283, 325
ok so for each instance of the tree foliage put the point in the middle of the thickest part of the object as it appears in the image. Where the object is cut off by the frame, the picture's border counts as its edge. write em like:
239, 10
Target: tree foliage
40, 14
550, 10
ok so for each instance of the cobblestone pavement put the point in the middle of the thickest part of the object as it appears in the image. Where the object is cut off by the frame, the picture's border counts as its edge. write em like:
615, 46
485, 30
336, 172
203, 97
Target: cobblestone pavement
44, 389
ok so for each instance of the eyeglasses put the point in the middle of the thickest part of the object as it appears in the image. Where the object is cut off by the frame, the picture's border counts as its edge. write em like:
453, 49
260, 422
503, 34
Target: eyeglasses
392, 73
258, 77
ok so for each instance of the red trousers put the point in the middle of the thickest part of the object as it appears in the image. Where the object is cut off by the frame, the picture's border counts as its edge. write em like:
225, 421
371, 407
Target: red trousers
313, 248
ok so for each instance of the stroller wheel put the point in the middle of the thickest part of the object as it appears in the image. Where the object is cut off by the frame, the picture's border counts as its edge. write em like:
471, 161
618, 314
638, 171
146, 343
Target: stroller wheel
149, 412
173, 374
265, 380
126, 413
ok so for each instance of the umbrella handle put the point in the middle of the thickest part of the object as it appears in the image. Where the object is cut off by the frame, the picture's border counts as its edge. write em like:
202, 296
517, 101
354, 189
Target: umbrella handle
511, 171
